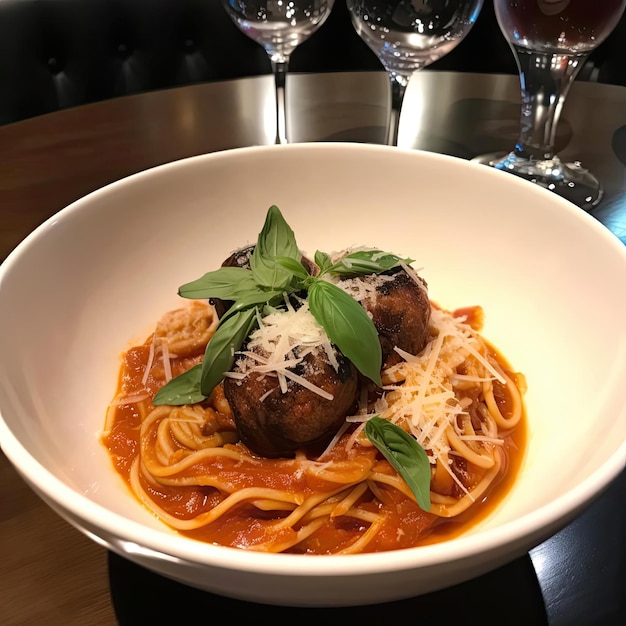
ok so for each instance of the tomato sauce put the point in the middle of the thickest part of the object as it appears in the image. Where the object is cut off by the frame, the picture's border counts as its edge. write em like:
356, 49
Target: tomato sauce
246, 526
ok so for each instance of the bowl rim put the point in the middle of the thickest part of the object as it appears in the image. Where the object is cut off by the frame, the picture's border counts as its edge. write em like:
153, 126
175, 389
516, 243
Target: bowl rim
168, 545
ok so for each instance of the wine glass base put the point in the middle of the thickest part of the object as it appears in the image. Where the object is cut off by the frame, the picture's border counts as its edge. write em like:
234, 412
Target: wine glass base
568, 180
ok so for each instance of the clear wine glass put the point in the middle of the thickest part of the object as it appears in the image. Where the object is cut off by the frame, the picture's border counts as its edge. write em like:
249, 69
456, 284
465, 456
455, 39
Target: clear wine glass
280, 26
551, 40
408, 35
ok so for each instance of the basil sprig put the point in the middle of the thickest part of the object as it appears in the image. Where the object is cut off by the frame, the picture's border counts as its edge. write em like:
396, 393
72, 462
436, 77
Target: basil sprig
362, 262
404, 454
276, 271
275, 240
196, 384
226, 283
184, 389
265, 283
220, 351
348, 326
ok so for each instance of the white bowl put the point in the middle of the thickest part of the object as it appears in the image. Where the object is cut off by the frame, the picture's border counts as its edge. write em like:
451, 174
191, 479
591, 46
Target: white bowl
98, 275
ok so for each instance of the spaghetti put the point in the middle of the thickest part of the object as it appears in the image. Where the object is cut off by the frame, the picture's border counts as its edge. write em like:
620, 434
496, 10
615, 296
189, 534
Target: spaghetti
458, 398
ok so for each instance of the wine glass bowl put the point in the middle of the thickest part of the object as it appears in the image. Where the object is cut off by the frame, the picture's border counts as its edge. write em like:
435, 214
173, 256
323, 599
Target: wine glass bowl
280, 26
551, 40
570, 27
408, 35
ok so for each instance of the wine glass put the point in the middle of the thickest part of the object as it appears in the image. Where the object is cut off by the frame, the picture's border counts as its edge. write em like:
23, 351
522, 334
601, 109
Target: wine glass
551, 40
408, 35
279, 26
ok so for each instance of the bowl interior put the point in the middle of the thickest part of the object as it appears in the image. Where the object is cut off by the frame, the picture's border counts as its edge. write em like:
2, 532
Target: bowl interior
96, 277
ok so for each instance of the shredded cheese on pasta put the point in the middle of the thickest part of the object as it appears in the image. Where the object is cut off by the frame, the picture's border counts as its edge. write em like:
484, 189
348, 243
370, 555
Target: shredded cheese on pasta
281, 342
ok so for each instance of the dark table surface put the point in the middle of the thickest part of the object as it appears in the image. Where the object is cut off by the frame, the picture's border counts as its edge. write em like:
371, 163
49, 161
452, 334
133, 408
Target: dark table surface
51, 574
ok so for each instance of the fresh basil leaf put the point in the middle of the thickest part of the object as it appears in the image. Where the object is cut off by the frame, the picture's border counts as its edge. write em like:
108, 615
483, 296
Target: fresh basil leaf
348, 326
251, 298
184, 389
276, 239
366, 262
219, 355
385, 260
294, 267
323, 261
404, 454
226, 283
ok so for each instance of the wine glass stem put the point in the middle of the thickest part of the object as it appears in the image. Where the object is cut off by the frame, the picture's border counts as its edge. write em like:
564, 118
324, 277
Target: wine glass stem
545, 80
398, 89
279, 68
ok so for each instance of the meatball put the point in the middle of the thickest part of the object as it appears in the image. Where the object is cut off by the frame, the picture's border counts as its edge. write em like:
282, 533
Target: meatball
239, 258
400, 309
273, 423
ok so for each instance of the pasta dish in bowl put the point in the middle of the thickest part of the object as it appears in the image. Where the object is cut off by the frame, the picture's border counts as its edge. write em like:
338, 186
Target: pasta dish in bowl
284, 374
294, 449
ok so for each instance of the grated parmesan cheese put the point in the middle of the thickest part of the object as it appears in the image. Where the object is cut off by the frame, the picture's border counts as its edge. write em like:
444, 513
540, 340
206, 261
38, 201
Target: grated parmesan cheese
424, 399
165, 355
365, 288
280, 344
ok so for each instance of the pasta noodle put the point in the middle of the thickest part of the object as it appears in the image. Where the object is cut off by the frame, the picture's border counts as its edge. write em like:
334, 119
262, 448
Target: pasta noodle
458, 398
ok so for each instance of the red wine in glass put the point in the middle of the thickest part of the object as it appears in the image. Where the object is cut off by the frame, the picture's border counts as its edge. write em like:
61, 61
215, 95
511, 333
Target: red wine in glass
558, 25
551, 40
